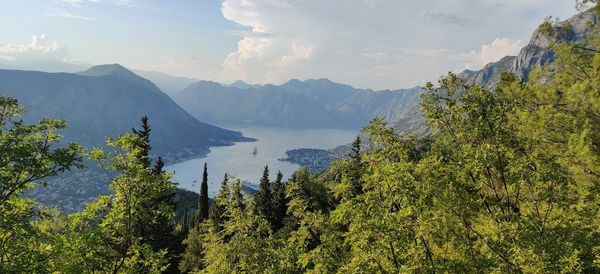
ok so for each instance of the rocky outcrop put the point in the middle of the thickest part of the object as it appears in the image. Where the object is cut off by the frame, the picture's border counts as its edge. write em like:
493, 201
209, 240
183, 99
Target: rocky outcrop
538, 51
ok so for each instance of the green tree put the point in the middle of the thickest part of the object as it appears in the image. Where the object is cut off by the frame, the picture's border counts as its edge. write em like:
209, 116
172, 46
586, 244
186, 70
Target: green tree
203, 200
218, 207
124, 232
245, 244
28, 155
143, 141
280, 202
158, 166
193, 259
263, 199
155, 229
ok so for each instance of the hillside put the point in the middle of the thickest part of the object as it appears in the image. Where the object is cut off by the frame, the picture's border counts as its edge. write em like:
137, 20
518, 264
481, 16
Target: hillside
102, 102
107, 101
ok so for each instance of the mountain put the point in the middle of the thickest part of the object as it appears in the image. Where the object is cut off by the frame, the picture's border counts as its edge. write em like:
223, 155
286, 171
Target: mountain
315, 103
169, 84
105, 101
109, 100
242, 85
538, 51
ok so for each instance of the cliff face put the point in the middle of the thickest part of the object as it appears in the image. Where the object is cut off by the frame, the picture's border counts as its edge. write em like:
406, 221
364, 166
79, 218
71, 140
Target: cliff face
490, 73
538, 51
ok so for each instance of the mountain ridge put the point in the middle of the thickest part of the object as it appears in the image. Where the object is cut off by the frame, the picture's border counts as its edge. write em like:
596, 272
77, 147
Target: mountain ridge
311, 103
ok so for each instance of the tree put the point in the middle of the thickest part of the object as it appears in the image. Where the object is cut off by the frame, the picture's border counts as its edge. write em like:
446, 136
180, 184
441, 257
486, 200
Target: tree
158, 166
155, 229
203, 200
279, 202
192, 259
28, 155
217, 209
354, 172
143, 141
244, 244
263, 199
131, 230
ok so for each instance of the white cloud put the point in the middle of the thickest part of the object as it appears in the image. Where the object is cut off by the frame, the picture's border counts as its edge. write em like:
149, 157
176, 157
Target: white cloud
40, 48
66, 14
449, 18
79, 3
375, 43
366, 43
499, 48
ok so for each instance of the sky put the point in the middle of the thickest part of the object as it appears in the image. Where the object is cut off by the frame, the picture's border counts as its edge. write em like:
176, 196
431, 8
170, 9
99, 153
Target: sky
378, 44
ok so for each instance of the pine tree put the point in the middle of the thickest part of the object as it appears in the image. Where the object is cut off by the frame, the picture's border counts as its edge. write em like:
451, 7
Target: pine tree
279, 202
158, 166
203, 199
154, 229
355, 167
263, 199
143, 141
218, 207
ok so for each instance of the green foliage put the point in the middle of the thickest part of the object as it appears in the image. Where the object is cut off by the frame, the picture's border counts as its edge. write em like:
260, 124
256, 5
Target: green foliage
263, 199
203, 200
29, 154
193, 256
129, 231
280, 202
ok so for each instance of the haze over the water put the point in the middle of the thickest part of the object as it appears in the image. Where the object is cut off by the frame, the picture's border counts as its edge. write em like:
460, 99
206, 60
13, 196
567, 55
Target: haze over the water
366, 43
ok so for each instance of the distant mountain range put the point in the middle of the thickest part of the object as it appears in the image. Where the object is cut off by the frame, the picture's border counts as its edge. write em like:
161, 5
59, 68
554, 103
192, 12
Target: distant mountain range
108, 100
169, 84
318, 103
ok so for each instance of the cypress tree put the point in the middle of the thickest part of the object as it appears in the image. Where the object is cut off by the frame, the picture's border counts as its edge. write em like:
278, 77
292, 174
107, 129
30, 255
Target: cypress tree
264, 198
203, 199
185, 222
279, 202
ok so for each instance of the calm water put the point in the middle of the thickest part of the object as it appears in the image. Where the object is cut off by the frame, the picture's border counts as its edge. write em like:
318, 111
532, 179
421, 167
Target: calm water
239, 160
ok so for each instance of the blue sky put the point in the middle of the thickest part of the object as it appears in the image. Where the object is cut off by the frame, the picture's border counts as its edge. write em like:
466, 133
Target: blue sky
366, 43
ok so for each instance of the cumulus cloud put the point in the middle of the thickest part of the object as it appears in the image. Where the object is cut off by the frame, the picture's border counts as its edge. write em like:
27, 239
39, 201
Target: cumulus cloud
499, 48
40, 48
375, 43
